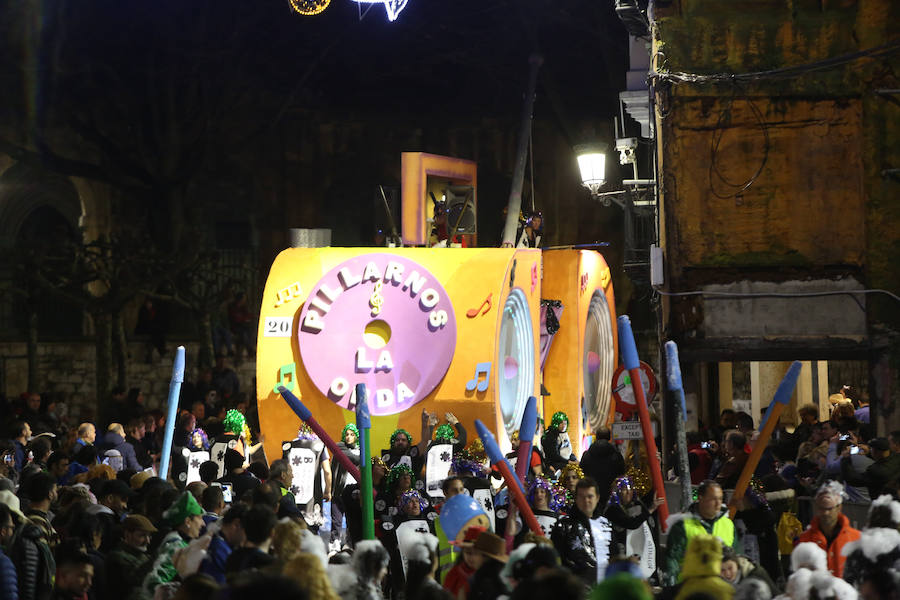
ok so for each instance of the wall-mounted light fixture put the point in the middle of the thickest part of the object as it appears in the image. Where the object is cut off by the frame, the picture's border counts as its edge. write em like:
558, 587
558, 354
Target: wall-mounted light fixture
592, 164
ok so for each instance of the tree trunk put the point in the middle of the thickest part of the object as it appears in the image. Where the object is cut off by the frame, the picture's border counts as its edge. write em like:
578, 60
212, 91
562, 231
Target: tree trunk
103, 331
32, 351
120, 348
206, 340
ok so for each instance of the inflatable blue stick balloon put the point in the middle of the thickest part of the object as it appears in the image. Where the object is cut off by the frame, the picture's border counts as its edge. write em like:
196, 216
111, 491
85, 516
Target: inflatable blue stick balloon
364, 425
172, 413
526, 438
779, 401
784, 392
675, 385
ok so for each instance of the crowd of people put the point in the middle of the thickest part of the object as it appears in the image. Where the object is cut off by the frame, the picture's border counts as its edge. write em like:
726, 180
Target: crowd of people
84, 515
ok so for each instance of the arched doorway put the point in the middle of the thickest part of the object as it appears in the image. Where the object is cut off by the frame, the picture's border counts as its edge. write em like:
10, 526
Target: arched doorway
39, 210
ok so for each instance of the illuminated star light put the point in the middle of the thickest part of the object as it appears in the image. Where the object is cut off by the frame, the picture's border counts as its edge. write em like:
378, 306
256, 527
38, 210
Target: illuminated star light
393, 7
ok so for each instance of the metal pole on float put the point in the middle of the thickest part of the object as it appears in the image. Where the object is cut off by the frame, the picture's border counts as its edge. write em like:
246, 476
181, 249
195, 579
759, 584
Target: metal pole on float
306, 416
172, 413
674, 383
628, 350
516, 492
364, 424
773, 414
514, 204
526, 438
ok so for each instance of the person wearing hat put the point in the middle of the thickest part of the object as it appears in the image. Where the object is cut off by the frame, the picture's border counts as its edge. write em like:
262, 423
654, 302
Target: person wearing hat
468, 562
487, 582
112, 504
879, 474
185, 517
129, 559
241, 480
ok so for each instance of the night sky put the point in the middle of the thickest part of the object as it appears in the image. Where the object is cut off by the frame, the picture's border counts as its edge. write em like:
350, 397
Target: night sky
152, 97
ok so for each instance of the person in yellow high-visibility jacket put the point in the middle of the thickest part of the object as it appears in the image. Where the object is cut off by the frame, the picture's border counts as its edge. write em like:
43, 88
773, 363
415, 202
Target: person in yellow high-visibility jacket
706, 516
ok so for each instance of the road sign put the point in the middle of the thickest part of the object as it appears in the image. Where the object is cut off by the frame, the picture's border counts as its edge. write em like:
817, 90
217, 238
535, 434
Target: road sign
627, 430
624, 395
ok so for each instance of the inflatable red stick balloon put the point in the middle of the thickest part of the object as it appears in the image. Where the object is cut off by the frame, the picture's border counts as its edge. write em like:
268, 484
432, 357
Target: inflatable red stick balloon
304, 414
628, 351
512, 484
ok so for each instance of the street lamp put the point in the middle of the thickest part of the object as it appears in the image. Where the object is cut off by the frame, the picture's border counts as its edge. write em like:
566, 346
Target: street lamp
592, 164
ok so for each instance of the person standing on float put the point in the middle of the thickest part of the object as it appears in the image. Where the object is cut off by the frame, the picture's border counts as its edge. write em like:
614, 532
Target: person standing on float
340, 478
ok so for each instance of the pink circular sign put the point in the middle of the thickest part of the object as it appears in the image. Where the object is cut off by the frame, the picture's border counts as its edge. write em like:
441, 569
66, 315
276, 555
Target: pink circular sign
382, 320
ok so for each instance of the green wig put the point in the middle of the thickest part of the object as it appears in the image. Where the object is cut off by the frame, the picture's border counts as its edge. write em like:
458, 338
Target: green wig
445, 434
349, 427
398, 471
234, 422
398, 432
558, 417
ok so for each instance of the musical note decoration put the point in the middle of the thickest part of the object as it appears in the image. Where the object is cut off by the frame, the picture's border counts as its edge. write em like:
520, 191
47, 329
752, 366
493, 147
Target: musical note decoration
290, 370
486, 305
481, 369
376, 300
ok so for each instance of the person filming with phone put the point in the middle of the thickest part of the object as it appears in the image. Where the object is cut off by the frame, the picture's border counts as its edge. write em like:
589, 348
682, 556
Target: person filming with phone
841, 445
882, 468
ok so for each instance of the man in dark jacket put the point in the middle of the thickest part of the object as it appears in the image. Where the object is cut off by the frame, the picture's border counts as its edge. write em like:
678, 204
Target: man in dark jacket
603, 463
115, 440
229, 538
74, 576
21, 433
40, 489
112, 503
582, 541
128, 563
281, 473
9, 583
259, 523
241, 479
135, 432
880, 476
34, 562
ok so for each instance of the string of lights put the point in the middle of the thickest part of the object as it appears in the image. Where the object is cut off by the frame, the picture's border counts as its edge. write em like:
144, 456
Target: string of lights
309, 7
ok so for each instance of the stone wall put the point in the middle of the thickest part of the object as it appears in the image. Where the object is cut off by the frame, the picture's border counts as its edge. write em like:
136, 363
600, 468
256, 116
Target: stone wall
67, 371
